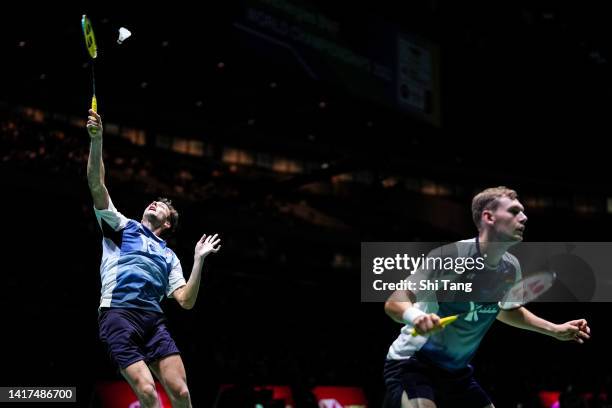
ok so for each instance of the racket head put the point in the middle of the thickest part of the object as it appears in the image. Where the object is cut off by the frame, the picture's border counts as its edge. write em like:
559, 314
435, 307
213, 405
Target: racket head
527, 290
90, 39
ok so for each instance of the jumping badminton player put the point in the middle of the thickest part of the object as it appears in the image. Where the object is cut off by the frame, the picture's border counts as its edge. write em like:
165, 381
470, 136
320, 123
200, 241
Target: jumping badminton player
137, 271
432, 369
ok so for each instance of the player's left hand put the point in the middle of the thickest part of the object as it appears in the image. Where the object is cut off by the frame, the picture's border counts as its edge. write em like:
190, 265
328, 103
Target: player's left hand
206, 245
576, 330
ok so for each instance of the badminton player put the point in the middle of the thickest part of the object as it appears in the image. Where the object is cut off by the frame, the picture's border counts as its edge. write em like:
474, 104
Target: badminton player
432, 369
137, 271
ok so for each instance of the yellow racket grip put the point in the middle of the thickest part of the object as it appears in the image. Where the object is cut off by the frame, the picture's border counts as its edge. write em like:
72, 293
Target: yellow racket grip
94, 104
445, 321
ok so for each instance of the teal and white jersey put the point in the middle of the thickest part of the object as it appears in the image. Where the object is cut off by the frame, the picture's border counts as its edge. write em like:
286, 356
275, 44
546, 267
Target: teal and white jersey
137, 268
454, 347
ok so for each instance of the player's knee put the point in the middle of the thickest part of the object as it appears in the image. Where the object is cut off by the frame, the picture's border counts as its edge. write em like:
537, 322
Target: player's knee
146, 391
180, 392
183, 394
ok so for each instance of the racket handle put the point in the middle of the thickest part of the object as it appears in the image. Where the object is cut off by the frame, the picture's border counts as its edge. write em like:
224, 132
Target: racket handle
445, 321
94, 104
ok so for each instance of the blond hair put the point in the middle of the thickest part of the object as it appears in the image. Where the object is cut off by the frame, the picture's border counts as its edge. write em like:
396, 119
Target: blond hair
488, 199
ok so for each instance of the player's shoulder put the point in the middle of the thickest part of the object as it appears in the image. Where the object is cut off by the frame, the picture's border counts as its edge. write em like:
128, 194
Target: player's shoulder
511, 259
171, 256
134, 224
169, 250
464, 248
467, 247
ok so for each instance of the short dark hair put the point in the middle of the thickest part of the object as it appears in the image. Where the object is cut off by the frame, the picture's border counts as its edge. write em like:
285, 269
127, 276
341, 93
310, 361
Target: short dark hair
488, 199
174, 215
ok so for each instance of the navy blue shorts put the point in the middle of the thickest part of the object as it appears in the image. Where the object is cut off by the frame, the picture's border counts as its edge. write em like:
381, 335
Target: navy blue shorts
421, 379
131, 335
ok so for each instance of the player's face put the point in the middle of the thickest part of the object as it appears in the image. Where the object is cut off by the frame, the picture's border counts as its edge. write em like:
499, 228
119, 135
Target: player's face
157, 211
509, 220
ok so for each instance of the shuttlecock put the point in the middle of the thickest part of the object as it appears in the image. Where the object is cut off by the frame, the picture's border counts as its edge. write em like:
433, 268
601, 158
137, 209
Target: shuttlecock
123, 34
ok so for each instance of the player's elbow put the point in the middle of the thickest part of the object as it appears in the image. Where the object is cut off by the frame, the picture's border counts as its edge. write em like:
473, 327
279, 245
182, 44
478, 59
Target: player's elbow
100, 197
388, 306
183, 301
395, 310
391, 309
95, 185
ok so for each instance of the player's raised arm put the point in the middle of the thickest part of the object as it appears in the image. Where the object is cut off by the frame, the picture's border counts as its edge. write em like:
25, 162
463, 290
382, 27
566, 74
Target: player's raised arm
95, 165
186, 295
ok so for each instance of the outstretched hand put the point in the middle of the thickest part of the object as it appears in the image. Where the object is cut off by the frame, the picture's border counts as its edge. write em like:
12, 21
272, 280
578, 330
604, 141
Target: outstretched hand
206, 245
576, 330
94, 125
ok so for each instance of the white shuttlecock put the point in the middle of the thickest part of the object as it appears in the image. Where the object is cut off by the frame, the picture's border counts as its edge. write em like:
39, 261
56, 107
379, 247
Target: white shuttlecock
123, 34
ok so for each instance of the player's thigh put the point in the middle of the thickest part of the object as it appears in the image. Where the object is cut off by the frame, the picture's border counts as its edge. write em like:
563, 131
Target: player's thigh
170, 371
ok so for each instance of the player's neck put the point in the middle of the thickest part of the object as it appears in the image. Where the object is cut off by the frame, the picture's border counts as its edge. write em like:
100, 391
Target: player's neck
492, 249
157, 230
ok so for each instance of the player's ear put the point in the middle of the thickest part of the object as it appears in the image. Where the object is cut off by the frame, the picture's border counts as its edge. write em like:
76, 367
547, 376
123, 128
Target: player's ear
487, 217
167, 224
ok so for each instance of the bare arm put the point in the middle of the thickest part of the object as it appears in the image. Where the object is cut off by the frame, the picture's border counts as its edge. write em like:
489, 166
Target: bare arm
400, 308
397, 304
187, 295
577, 330
95, 164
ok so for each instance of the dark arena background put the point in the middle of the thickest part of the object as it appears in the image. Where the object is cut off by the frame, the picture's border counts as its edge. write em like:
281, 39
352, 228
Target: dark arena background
297, 130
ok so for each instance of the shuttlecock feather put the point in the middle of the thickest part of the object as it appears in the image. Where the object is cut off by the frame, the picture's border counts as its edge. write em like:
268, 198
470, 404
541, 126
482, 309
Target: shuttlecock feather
123, 34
